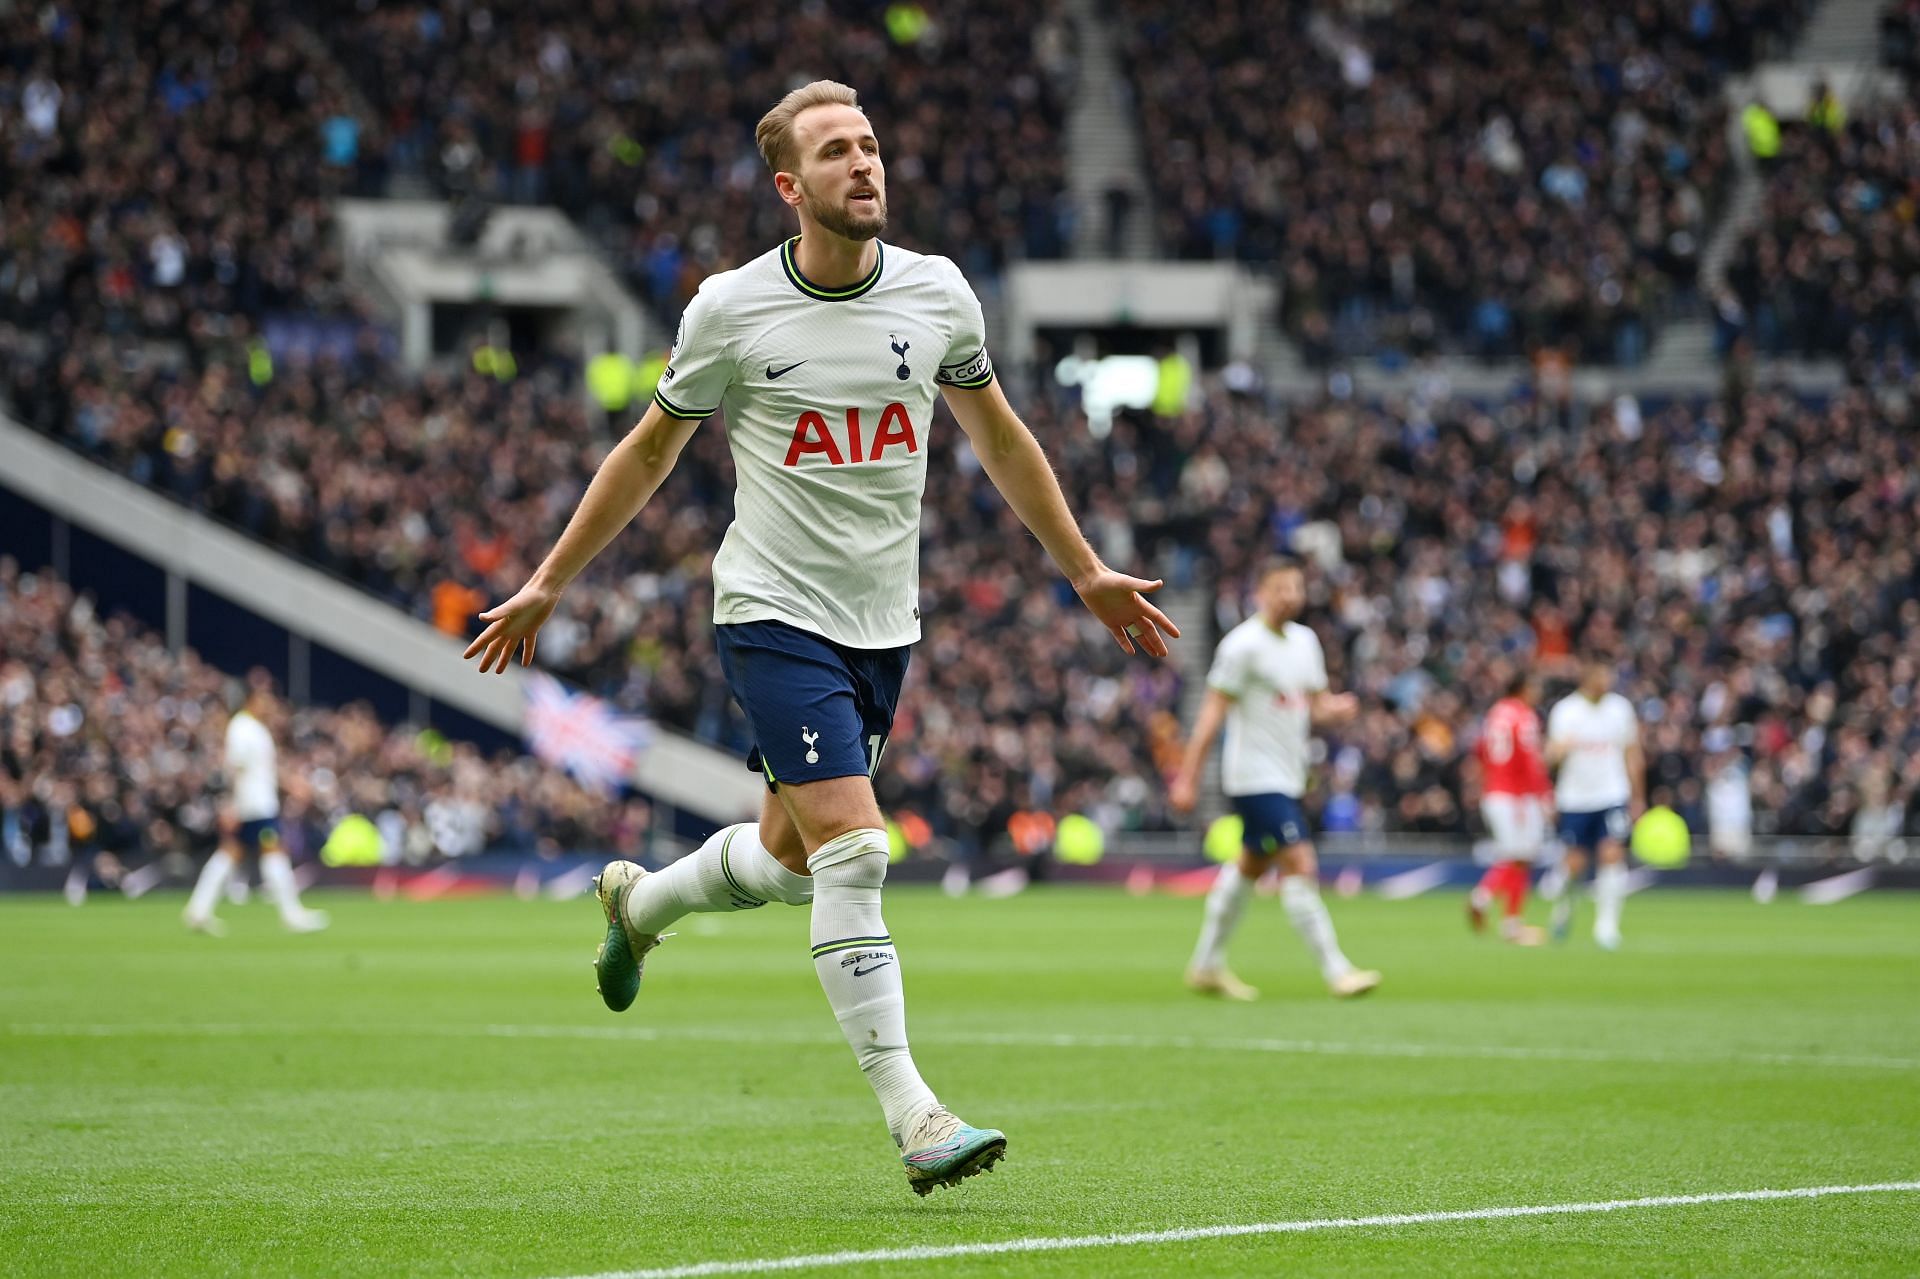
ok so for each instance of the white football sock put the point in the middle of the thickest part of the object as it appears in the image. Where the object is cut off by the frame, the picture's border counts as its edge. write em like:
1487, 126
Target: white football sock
761, 873
207, 889
1566, 900
276, 882
1225, 901
1300, 894
1609, 893
860, 971
731, 871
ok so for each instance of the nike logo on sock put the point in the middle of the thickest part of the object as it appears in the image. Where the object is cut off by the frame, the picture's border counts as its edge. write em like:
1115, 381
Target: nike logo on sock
862, 972
773, 376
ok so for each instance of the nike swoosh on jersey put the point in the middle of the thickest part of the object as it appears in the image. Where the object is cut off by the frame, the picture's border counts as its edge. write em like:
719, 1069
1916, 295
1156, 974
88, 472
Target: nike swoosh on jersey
775, 376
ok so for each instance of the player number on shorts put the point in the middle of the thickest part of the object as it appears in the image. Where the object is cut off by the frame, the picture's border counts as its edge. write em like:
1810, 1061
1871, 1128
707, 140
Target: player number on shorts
875, 745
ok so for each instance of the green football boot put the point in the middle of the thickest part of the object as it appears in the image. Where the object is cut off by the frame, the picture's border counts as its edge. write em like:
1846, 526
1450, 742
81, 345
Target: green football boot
617, 964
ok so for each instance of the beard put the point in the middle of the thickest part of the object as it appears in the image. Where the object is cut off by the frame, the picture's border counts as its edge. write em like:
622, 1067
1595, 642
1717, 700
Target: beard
846, 221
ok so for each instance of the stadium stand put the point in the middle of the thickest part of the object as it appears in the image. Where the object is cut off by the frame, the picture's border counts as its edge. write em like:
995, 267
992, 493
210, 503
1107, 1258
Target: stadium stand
1710, 548
165, 175
379, 484
109, 742
169, 170
1752, 567
575, 105
362, 469
1686, 550
1900, 37
1829, 267
1476, 178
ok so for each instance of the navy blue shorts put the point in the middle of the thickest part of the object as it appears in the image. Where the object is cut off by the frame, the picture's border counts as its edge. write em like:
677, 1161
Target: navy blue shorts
1590, 830
261, 836
818, 709
1273, 822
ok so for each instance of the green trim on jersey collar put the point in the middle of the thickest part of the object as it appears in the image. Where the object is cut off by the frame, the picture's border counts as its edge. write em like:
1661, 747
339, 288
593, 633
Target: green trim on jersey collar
814, 291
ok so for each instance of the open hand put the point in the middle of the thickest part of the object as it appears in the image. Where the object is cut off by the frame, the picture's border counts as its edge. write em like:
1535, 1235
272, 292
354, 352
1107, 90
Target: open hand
512, 625
1119, 602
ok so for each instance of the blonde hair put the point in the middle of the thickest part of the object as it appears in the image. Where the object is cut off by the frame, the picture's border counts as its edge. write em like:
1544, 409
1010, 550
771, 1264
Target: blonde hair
774, 133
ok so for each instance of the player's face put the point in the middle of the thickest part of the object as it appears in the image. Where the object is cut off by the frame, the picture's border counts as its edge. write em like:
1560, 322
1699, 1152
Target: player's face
1283, 595
840, 181
1596, 683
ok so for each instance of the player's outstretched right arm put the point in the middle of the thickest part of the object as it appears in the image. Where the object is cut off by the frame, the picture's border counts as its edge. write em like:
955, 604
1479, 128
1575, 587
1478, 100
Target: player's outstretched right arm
632, 472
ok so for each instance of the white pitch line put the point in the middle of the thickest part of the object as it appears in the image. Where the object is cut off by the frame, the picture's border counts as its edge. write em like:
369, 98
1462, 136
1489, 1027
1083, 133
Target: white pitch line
1188, 1234
1825, 892
1470, 1052
1183, 1043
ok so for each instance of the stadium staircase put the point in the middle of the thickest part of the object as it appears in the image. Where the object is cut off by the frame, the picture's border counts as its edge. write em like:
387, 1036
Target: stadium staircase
1840, 43
1103, 142
1278, 359
1842, 33
1743, 210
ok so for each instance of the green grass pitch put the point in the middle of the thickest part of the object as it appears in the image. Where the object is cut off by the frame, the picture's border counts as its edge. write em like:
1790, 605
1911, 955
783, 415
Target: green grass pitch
434, 1089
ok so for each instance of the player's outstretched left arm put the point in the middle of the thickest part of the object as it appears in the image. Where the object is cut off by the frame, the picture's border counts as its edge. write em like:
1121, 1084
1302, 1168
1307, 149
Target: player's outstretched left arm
1018, 467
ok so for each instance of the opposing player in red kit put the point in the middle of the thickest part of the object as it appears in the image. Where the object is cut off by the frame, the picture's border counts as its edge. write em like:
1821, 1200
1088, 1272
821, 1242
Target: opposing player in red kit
1516, 801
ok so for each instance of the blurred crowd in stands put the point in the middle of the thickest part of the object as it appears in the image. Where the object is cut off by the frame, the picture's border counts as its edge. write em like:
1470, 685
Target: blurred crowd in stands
1749, 568
1830, 267
1900, 37
166, 165
1479, 177
110, 743
1506, 176
637, 116
440, 496
165, 172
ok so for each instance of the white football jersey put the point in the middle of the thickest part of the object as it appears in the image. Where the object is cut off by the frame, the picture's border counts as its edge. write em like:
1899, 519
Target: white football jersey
1593, 775
1271, 677
829, 397
253, 769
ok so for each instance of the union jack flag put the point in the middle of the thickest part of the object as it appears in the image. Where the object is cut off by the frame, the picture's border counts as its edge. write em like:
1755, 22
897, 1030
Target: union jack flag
582, 734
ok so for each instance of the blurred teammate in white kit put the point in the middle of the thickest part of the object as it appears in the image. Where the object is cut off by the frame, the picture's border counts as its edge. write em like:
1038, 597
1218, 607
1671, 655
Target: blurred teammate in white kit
250, 821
